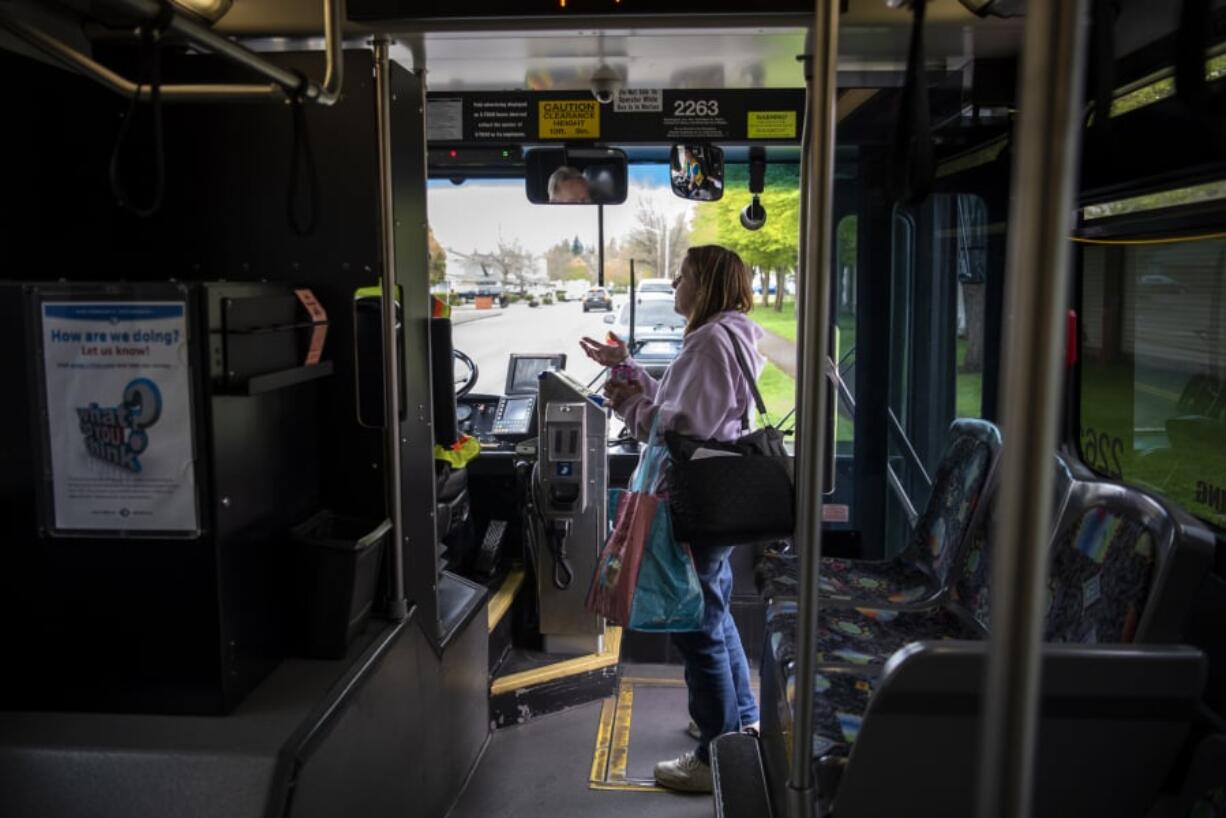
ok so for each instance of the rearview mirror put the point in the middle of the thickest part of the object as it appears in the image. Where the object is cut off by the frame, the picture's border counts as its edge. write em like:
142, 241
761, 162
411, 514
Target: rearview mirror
575, 176
697, 172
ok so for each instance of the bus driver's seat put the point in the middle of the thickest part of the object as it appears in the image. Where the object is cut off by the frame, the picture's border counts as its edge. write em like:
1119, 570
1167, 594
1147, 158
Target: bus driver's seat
451, 478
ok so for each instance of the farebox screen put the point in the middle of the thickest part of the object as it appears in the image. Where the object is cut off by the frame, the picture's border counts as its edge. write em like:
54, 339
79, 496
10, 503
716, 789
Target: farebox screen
518, 411
524, 372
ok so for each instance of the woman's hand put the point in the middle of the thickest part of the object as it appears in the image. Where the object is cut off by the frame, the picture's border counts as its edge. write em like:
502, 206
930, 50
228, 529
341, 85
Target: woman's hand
619, 391
610, 354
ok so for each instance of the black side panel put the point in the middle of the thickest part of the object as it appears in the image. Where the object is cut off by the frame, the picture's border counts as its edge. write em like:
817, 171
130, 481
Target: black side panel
368, 759
454, 705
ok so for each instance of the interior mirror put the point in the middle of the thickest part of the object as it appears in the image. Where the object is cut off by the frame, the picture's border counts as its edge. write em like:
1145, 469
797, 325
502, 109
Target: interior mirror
697, 172
576, 176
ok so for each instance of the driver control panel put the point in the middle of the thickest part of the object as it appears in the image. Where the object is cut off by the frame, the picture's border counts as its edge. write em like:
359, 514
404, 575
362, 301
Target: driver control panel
515, 415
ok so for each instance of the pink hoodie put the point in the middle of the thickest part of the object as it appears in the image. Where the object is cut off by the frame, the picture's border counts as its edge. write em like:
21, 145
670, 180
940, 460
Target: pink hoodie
703, 392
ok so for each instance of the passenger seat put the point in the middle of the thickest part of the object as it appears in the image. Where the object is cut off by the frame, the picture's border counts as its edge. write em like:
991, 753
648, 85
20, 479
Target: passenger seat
1123, 569
921, 574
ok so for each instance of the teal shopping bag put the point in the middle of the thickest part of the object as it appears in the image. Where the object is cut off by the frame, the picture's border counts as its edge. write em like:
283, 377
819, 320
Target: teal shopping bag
666, 594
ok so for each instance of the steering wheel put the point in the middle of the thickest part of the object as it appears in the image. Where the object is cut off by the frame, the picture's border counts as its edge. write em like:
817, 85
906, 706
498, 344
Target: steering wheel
465, 381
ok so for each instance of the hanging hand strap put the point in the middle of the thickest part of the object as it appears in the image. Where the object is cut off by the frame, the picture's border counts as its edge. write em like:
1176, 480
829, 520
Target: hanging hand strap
914, 162
151, 48
302, 157
749, 378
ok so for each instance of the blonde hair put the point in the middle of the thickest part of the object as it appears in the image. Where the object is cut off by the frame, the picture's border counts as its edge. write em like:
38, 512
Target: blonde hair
721, 283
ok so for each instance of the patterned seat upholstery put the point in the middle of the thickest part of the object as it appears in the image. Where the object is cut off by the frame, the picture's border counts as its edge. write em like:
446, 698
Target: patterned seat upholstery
970, 591
861, 636
920, 574
1100, 578
1118, 562
839, 705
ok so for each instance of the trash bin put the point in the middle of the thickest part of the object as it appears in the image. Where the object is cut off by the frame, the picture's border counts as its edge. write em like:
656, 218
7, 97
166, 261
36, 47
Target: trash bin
336, 572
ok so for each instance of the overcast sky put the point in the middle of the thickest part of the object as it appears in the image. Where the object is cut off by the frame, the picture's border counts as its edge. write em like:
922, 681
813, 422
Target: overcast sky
471, 216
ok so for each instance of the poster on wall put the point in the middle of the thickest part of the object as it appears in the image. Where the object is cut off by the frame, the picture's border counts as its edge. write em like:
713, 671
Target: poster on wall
119, 424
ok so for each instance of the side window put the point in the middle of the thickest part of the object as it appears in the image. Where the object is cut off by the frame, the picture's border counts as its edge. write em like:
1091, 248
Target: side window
970, 256
1153, 371
844, 352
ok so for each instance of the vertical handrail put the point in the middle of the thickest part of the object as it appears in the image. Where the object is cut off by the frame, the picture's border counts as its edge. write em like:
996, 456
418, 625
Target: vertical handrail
1051, 84
391, 351
812, 386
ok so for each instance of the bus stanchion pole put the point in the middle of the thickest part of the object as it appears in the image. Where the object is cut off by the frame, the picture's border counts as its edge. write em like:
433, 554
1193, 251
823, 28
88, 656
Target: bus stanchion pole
814, 294
398, 608
1036, 277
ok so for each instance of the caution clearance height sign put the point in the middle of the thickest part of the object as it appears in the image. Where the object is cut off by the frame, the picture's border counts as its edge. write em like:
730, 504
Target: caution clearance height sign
569, 119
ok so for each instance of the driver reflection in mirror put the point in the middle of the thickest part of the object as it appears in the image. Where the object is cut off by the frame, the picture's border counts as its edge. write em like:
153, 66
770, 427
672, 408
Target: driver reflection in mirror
568, 186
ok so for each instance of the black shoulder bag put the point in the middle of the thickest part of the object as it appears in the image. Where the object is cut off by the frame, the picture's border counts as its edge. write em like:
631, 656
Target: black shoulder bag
734, 493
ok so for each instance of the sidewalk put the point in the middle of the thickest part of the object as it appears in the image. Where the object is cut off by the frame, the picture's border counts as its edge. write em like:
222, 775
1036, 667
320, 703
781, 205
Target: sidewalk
465, 314
779, 351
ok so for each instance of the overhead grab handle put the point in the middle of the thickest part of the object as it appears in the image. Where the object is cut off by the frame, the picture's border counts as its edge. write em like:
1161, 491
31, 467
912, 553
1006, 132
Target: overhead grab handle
283, 83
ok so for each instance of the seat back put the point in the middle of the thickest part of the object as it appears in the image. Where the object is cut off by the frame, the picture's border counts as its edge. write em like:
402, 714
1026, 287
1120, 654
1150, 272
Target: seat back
1112, 722
1204, 789
971, 589
1124, 567
972, 450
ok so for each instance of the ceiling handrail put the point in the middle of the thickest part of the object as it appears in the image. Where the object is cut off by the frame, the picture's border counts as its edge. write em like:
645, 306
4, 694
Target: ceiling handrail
285, 83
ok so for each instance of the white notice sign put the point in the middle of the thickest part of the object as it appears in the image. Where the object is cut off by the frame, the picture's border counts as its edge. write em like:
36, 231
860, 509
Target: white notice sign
119, 419
638, 101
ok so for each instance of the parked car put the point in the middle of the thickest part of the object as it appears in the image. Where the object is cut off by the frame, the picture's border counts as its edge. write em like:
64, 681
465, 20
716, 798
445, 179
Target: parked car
653, 318
655, 288
597, 298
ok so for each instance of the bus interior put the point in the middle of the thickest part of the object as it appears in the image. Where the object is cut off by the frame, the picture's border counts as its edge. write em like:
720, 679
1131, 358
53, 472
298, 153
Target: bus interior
324, 544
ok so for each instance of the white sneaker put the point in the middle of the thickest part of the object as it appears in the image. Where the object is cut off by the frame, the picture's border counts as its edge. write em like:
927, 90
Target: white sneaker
693, 730
685, 773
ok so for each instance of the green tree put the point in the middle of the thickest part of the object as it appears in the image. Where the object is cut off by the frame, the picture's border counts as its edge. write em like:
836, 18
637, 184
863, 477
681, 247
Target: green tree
772, 249
578, 270
656, 243
576, 247
557, 259
437, 258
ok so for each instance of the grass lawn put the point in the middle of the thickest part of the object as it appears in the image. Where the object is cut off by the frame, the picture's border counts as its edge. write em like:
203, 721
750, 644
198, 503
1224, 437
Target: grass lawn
778, 393
781, 323
970, 388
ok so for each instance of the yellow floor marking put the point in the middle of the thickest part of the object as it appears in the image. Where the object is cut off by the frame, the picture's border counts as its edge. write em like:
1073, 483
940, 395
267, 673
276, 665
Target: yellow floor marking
604, 733
619, 749
645, 680
501, 603
612, 755
608, 657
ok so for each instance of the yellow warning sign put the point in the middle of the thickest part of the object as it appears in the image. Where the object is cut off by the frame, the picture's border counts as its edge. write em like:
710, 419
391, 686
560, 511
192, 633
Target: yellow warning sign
772, 125
570, 119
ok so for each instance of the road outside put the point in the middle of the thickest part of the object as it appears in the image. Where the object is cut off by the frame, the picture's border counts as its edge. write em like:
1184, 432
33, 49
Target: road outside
547, 329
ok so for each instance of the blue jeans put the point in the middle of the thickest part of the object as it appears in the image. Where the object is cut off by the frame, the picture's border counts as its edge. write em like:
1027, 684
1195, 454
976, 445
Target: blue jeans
716, 671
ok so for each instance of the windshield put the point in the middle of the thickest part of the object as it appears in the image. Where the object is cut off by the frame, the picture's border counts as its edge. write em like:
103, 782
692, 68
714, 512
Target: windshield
656, 287
517, 274
652, 314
